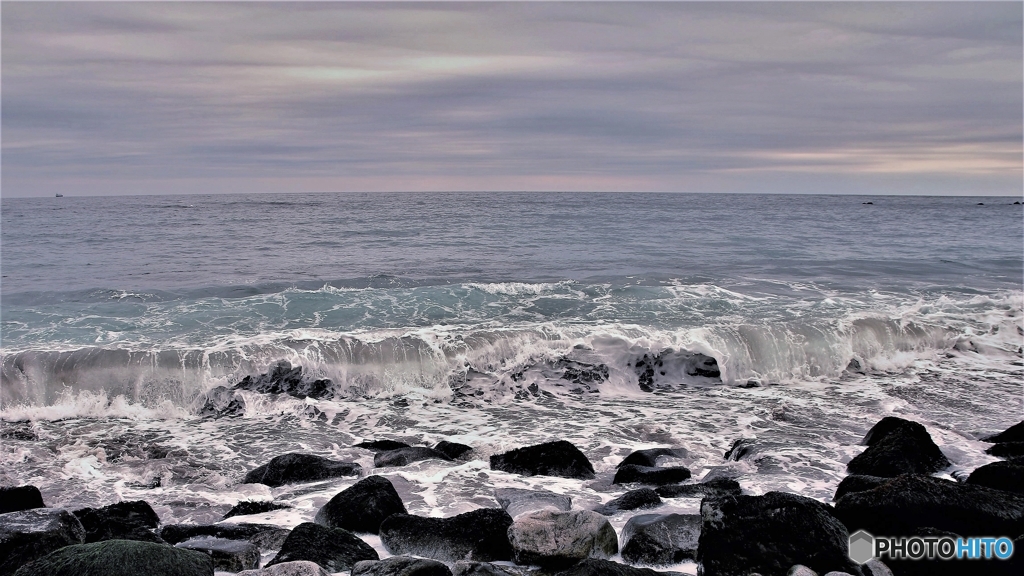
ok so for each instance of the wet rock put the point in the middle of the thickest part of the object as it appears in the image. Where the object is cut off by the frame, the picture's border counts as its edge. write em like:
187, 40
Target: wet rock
712, 488
453, 450
265, 536
652, 475
405, 456
517, 501
599, 567
660, 539
1007, 476
858, 483
1014, 433
297, 568
382, 445
650, 456
480, 535
30, 534
875, 567
911, 502
897, 446
1007, 450
228, 555
284, 379
132, 520
121, 558
559, 458
470, 568
248, 507
294, 468
740, 449
333, 549
401, 566
362, 507
221, 402
16, 499
632, 500
584, 376
801, 570
550, 538
769, 534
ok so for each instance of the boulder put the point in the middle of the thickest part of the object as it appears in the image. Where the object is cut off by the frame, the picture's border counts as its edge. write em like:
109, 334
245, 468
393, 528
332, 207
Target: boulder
768, 534
632, 500
801, 570
740, 449
362, 507
897, 446
401, 566
120, 558
284, 379
382, 445
1007, 476
518, 501
660, 539
18, 498
1014, 433
405, 456
858, 483
247, 507
911, 502
453, 450
712, 488
228, 555
631, 473
293, 468
559, 458
599, 567
297, 568
221, 401
470, 568
650, 456
480, 535
1007, 450
875, 567
550, 538
333, 549
129, 520
265, 536
30, 534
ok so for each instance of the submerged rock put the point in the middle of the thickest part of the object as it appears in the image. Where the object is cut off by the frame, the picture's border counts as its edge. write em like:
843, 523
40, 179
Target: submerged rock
333, 549
712, 488
517, 501
294, 468
227, 555
401, 566
408, 455
221, 401
632, 500
265, 536
248, 507
18, 498
740, 449
480, 535
382, 445
897, 446
362, 507
30, 534
653, 475
284, 379
650, 456
1007, 476
133, 520
559, 458
121, 558
453, 450
660, 539
549, 538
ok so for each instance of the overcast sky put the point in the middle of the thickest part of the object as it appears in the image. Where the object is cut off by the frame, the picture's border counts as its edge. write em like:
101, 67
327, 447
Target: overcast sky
874, 98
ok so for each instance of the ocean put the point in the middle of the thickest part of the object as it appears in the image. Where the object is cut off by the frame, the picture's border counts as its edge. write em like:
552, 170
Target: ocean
498, 320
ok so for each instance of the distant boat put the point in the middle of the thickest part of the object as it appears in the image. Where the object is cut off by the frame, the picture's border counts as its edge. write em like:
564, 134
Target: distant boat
59, 195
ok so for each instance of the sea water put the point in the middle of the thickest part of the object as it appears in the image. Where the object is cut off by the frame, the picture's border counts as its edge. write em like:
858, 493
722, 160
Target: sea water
470, 317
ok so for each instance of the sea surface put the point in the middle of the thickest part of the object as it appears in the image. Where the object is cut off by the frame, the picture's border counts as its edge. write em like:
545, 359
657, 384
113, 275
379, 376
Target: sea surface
498, 321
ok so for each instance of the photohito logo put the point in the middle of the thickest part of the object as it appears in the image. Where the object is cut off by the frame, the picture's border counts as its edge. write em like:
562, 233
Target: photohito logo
864, 547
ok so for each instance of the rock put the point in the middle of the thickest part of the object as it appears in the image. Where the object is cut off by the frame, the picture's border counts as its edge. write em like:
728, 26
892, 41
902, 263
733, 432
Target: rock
740, 449
598, 567
283, 379
858, 483
401, 566
550, 538
404, 456
897, 446
293, 468
837, 573
517, 501
1008, 476
265, 536
297, 568
247, 507
221, 401
875, 567
228, 555
660, 539
30, 534
650, 456
470, 568
632, 500
16, 499
130, 520
559, 458
1014, 433
769, 534
708, 489
362, 507
801, 570
382, 445
121, 558
1007, 450
910, 502
480, 535
631, 473
334, 549
453, 450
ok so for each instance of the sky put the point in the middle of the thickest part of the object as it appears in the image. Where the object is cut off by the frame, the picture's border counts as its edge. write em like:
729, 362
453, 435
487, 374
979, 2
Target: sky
197, 97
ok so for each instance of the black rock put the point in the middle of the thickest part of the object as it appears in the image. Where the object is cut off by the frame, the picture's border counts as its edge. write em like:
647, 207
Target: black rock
362, 507
708, 489
1014, 433
401, 566
382, 445
134, 520
653, 475
911, 502
247, 507
584, 376
480, 535
20, 498
283, 379
1007, 450
660, 539
1007, 476
769, 534
632, 500
453, 450
897, 446
740, 449
598, 567
334, 549
858, 483
121, 558
408, 455
559, 458
266, 536
293, 468
650, 456
228, 555
221, 401
30, 534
